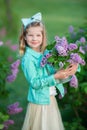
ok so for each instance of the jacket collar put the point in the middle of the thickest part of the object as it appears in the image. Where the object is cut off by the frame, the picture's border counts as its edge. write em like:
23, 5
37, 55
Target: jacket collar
33, 53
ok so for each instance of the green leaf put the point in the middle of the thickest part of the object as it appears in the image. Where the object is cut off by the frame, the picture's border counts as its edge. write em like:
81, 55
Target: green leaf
51, 60
51, 46
4, 117
84, 87
1, 126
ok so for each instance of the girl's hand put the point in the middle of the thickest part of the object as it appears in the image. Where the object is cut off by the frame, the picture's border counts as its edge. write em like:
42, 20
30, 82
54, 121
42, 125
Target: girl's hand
72, 69
62, 74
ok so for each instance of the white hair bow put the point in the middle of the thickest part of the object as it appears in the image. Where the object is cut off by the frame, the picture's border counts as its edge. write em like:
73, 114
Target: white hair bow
35, 18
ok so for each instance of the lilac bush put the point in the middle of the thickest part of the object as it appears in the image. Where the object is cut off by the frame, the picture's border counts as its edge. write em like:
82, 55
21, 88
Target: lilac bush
9, 68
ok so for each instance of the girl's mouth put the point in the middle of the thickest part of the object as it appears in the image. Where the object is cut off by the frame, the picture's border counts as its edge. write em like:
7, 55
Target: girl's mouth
34, 43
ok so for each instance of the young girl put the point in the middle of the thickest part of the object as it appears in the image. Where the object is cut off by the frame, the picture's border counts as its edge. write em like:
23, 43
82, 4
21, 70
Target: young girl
42, 111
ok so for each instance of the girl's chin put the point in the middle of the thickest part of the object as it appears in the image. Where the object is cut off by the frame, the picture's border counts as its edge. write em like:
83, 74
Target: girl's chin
35, 46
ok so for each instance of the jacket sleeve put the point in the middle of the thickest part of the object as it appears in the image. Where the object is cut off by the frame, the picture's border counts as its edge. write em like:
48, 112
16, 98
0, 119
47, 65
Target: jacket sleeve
33, 77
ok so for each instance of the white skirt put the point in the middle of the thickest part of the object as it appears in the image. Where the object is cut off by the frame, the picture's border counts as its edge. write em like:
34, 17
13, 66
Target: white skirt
43, 117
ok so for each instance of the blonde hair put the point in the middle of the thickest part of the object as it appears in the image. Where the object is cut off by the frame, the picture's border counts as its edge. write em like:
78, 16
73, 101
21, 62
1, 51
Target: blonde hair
22, 41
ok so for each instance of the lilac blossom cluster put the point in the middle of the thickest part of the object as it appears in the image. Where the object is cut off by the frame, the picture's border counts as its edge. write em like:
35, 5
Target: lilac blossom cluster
14, 71
7, 124
64, 48
61, 46
75, 57
14, 109
44, 60
74, 81
66, 53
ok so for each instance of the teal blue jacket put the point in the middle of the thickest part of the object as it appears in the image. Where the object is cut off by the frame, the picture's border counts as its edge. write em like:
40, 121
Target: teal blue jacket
38, 78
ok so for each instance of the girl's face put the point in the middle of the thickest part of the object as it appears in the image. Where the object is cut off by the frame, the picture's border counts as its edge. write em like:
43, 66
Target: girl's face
34, 37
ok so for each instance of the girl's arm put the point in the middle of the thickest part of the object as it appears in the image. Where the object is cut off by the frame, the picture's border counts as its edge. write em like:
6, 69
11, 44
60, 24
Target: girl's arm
33, 75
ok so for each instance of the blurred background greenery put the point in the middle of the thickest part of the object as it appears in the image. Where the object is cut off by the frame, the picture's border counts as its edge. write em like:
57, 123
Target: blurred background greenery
58, 15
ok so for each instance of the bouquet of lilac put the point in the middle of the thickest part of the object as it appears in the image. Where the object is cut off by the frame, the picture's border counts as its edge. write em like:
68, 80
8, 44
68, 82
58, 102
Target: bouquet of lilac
61, 54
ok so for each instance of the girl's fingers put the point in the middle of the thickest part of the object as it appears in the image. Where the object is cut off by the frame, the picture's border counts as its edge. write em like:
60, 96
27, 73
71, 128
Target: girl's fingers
73, 67
71, 70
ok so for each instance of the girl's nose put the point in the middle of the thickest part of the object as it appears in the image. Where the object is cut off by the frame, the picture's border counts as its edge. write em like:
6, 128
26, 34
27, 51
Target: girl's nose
34, 38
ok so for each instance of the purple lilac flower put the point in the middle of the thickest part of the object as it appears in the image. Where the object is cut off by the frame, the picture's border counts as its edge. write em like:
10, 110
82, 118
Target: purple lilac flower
15, 105
14, 47
5, 127
14, 71
82, 39
14, 109
64, 43
70, 61
81, 50
76, 58
61, 64
1, 43
7, 123
57, 39
15, 64
83, 62
71, 29
74, 81
48, 55
72, 46
43, 61
81, 30
11, 78
61, 51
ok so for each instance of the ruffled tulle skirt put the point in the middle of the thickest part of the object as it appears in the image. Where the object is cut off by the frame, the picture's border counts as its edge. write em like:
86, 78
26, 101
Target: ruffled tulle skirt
43, 117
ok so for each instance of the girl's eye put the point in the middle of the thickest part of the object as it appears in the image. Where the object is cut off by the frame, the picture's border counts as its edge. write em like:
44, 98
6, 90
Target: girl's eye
30, 35
38, 35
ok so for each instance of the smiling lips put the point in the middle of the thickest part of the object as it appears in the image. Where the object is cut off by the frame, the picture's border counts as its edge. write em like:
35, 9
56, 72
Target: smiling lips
34, 43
